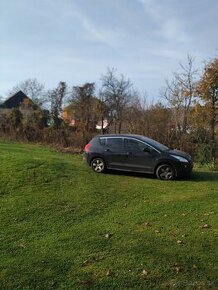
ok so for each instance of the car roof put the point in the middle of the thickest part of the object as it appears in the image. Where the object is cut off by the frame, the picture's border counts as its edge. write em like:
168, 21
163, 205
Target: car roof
119, 135
124, 135
143, 138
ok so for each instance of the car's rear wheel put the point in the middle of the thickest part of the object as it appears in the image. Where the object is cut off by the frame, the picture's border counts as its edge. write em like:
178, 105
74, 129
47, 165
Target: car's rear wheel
165, 172
98, 165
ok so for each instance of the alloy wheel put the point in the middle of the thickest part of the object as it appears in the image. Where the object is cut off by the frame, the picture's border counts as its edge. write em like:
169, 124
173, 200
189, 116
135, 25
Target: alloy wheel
165, 172
98, 165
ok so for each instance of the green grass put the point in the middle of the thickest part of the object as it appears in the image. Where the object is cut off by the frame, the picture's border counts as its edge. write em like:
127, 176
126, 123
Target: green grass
55, 214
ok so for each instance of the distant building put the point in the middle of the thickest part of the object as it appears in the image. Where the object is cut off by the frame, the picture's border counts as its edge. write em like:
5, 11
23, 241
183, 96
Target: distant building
30, 110
18, 101
68, 118
102, 125
15, 101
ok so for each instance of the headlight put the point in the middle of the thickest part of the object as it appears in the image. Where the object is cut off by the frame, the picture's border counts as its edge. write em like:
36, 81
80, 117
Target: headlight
181, 159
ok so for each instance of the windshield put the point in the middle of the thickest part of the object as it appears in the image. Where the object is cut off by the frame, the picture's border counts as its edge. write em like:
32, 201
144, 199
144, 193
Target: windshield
155, 144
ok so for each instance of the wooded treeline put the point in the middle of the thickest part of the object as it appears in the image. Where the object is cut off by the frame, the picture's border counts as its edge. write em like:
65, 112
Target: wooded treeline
185, 117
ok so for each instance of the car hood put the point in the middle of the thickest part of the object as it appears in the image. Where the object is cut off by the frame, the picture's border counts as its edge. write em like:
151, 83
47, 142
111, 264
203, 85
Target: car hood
179, 153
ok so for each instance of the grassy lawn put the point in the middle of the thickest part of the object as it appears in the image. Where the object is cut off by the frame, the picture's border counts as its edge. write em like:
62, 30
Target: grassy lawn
63, 226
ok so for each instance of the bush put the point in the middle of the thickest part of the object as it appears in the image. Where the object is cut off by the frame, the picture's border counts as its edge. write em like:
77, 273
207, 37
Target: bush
204, 154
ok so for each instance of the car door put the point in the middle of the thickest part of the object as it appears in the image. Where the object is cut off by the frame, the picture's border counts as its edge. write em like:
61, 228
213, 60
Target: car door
139, 155
114, 152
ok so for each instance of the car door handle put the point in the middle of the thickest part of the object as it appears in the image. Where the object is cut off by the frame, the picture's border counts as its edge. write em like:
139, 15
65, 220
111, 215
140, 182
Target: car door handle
107, 150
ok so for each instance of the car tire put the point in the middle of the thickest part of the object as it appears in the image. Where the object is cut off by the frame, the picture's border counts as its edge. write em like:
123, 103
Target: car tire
165, 172
98, 165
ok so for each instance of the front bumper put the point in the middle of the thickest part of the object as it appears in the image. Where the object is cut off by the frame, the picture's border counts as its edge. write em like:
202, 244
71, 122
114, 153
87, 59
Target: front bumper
184, 169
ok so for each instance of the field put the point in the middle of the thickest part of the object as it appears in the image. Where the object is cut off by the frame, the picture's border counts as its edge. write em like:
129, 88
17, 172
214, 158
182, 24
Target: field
66, 227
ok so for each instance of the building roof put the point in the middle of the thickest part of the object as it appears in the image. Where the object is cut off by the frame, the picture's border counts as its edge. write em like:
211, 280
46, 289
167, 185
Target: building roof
15, 101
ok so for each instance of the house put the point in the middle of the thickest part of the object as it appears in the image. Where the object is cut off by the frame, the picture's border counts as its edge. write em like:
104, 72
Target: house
29, 109
68, 118
19, 101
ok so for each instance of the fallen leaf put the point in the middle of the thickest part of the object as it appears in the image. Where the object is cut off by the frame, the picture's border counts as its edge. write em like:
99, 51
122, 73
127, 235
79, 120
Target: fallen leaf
147, 224
178, 269
21, 245
86, 262
194, 267
144, 273
109, 273
52, 283
108, 236
86, 282
206, 226
179, 242
157, 231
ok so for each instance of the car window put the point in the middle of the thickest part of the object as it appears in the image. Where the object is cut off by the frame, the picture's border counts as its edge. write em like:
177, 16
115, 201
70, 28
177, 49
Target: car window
155, 144
115, 142
132, 144
102, 141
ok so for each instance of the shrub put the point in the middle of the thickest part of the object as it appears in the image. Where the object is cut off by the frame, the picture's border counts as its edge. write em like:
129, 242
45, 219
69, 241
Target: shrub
204, 154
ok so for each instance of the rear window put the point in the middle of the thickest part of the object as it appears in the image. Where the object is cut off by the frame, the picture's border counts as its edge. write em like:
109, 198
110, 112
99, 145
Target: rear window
103, 141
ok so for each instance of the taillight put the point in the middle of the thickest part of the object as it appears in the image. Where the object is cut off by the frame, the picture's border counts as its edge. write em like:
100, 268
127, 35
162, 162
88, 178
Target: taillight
87, 147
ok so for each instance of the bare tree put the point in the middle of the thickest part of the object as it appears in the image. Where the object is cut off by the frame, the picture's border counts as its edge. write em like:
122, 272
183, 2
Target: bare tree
179, 93
83, 106
102, 109
135, 115
33, 89
56, 97
117, 95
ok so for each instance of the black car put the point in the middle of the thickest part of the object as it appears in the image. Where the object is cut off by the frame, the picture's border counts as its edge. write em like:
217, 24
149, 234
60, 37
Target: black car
138, 154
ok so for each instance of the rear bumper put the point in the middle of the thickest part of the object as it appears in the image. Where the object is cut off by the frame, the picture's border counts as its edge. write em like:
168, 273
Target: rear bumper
87, 158
85, 155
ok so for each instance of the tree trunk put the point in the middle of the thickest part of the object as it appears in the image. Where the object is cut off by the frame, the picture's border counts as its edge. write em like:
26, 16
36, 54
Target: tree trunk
102, 125
120, 125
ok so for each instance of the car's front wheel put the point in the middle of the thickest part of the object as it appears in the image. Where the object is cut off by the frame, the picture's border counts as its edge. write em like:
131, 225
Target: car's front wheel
165, 172
98, 165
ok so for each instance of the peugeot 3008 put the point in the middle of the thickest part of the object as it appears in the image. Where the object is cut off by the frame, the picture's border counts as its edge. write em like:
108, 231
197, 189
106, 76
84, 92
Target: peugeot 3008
136, 153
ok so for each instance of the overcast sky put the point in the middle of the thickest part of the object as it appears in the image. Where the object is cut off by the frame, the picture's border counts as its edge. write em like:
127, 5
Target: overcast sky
76, 40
